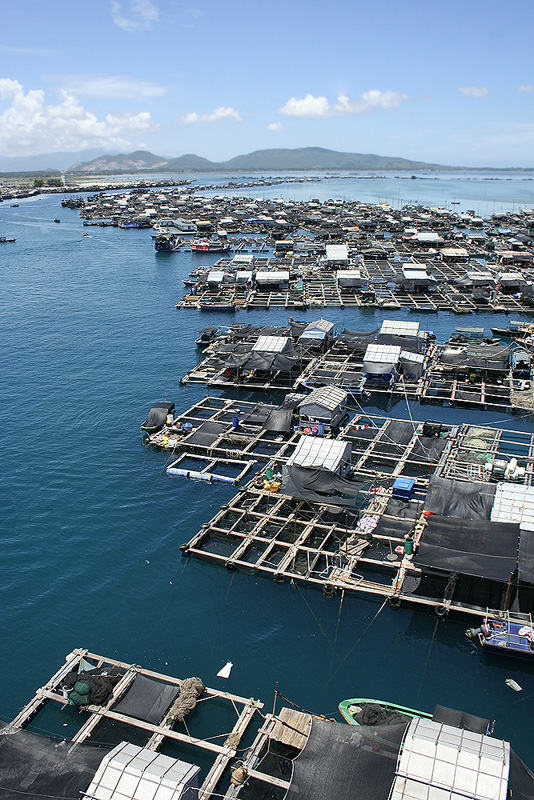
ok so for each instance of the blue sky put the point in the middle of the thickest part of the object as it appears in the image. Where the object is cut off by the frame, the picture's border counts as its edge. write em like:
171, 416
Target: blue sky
445, 82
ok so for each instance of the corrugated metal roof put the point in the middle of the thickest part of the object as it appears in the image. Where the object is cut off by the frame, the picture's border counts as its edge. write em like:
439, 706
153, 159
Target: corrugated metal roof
129, 771
329, 397
313, 451
271, 344
382, 354
216, 276
439, 762
272, 277
394, 327
514, 503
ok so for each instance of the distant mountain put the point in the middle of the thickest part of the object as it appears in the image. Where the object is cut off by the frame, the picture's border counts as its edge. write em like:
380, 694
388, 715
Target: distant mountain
140, 161
45, 161
190, 163
300, 158
311, 158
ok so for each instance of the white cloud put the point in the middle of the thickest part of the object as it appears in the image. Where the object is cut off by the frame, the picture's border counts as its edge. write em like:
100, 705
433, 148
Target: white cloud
319, 107
474, 91
526, 88
108, 86
141, 14
217, 115
275, 126
29, 125
27, 51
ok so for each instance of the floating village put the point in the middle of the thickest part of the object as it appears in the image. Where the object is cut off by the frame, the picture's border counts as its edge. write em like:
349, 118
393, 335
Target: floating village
323, 492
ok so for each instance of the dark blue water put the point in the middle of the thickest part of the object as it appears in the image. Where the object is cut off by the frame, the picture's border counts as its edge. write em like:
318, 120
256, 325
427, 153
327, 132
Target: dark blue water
91, 524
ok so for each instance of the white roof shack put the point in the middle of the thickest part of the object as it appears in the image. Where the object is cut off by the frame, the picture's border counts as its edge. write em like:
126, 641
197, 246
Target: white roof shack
380, 359
349, 277
242, 260
318, 330
511, 278
454, 253
279, 276
216, 276
337, 253
427, 237
129, 771
514, 503
480, 278
318, 453
271, 344
324, 402
439, 762
394, 327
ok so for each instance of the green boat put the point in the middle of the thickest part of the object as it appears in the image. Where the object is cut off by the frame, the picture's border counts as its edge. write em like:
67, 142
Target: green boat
364, 711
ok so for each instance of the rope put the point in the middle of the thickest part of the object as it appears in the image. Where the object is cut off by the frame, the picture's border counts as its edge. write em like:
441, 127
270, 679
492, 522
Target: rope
356, 643
337, 629
427, 660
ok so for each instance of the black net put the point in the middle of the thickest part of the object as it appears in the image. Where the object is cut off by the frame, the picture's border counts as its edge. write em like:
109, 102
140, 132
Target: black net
322, 486
521, 779
33, 766
471, 547
526, 556
346, 762
450, 498
206, 433
459, 719
147, 700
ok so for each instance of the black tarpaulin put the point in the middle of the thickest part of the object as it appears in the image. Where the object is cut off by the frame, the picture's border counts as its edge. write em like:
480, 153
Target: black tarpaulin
279, 420
472, 547
395, 528
526, 556
157, 416
147, 700
269, 361
321, 486
521, 779
257, 415
460, 719
345, 762
450, 498
34, 767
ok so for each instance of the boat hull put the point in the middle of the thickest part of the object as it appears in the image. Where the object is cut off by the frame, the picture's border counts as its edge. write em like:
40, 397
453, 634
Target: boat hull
409, 713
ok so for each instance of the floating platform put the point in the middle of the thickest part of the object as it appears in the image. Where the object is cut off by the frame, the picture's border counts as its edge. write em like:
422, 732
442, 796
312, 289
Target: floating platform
150, 695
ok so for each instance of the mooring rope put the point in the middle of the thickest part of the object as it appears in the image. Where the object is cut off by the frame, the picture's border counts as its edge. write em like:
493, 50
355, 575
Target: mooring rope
356, 643
427, 660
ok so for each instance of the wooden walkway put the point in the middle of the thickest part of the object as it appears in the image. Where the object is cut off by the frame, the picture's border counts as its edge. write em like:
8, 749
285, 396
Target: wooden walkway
223, 752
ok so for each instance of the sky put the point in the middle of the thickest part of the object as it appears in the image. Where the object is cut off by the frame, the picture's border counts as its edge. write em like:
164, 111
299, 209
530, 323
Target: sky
447, 82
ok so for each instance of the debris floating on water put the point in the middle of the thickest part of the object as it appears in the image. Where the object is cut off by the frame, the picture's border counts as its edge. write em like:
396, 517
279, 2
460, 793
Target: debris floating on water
226, 670
513, 685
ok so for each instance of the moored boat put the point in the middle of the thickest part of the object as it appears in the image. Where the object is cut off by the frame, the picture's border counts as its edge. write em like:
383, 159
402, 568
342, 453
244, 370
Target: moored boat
505, 637
158, 417
375, 713
209, 246
364, 711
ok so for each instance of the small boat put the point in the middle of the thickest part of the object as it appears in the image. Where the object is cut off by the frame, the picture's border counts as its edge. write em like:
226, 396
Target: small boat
515, 328
5, 240
503, 636
168, 242
375, 713
209, 246
364, 711
216, 305
207, 335
158, 416
57, 219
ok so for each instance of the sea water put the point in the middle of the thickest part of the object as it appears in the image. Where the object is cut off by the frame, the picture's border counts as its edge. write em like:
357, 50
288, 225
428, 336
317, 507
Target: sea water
91, 523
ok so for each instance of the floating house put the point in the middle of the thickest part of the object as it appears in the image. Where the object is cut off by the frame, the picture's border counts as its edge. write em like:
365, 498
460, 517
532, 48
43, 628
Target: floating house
323, 410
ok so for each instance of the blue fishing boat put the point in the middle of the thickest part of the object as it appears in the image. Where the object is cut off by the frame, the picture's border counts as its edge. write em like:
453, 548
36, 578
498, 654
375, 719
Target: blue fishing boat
505, 636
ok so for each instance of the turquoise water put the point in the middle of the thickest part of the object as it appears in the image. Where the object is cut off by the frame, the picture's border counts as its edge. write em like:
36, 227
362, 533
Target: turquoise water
91, 524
